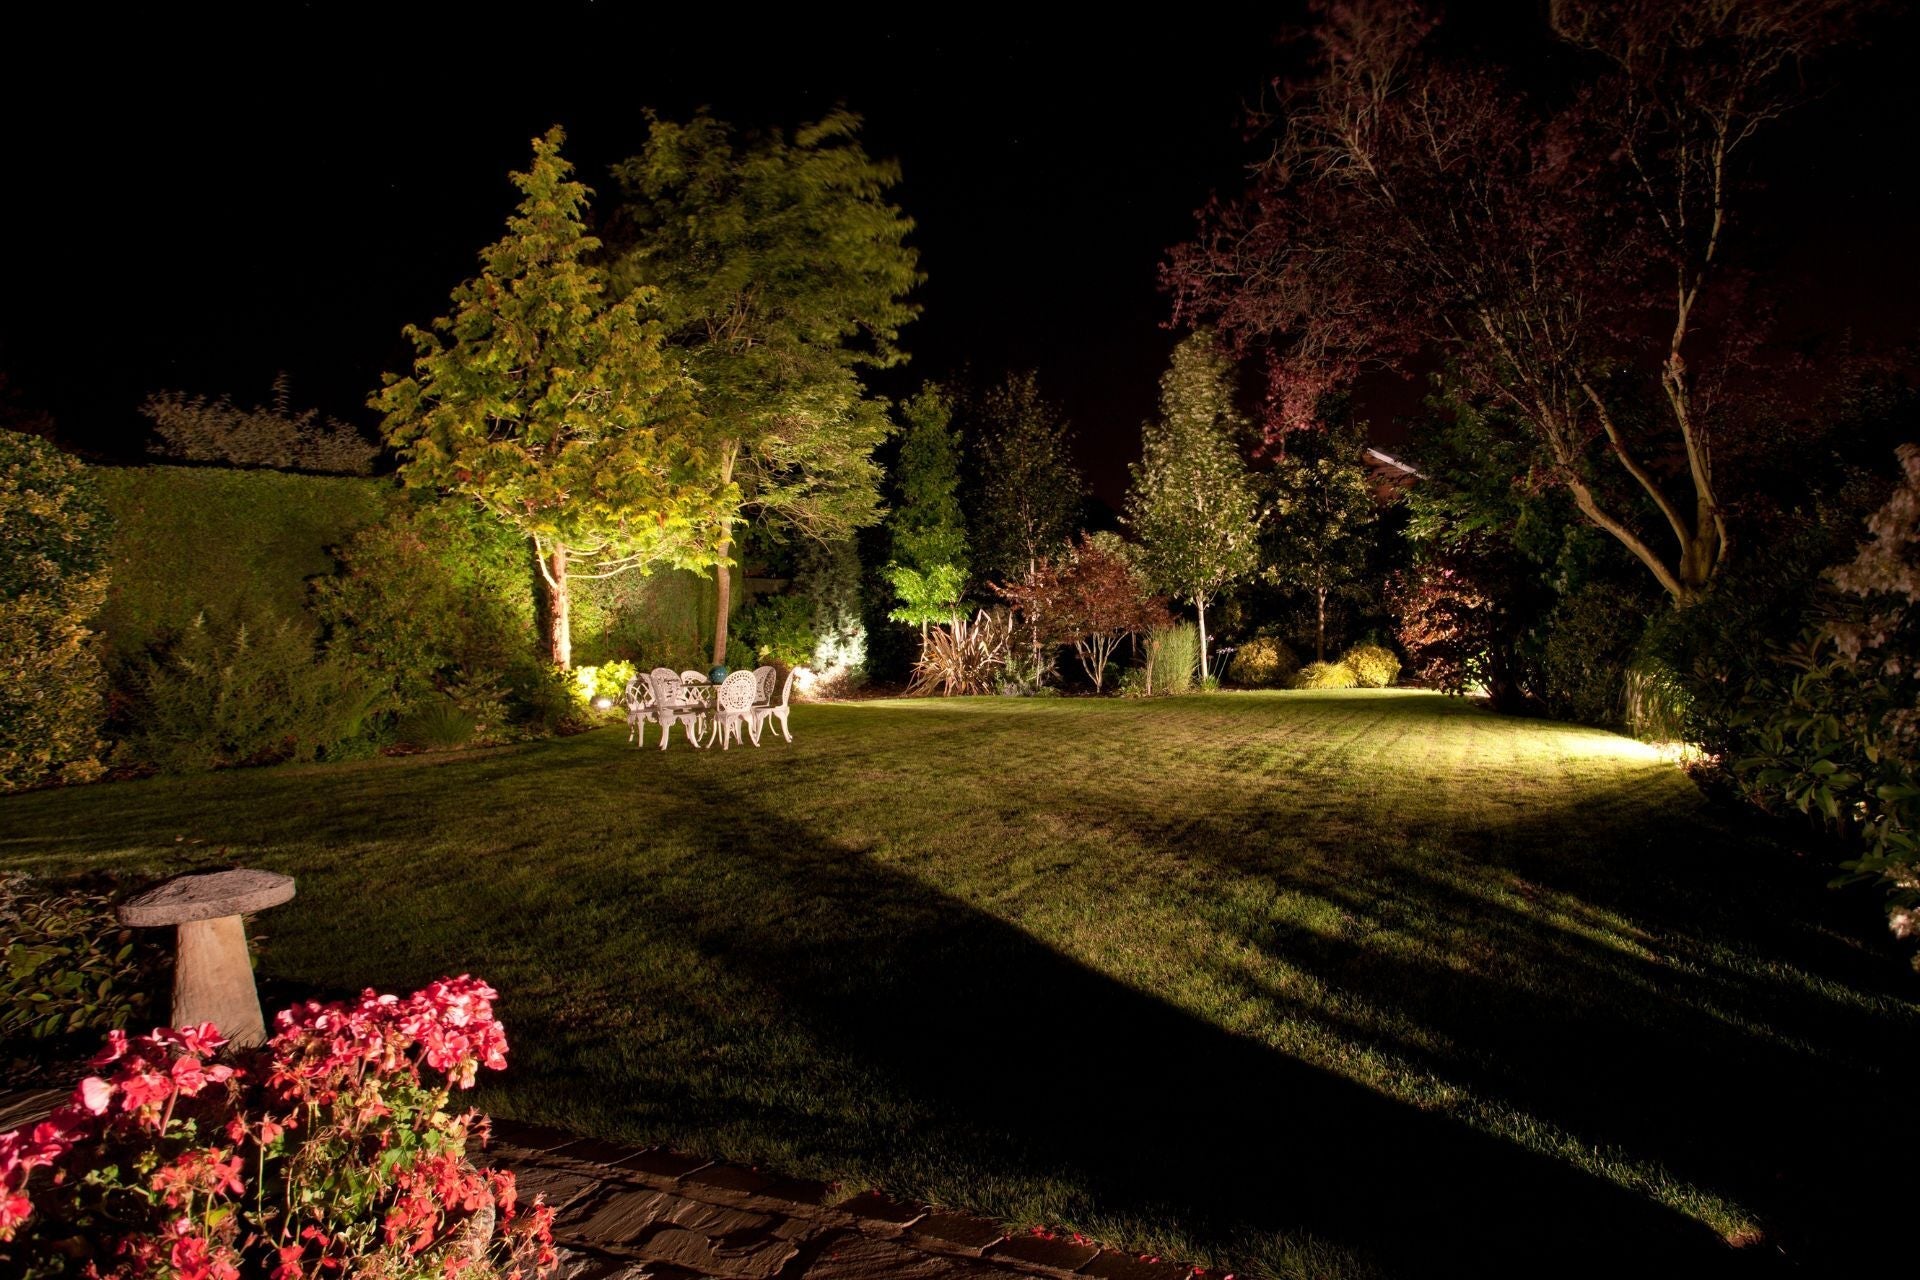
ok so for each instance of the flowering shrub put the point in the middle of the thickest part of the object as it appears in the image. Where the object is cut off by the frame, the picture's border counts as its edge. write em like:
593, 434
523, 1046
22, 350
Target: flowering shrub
330, 1151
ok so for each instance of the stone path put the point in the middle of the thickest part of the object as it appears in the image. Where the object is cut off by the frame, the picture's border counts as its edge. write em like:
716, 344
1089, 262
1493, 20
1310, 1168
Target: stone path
631, 1213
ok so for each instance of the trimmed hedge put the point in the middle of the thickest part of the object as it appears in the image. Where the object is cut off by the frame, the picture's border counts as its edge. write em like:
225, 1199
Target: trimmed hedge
227, 544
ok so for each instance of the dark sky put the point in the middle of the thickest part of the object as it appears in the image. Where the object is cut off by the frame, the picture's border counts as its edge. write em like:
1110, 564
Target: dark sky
199, 202
286, 191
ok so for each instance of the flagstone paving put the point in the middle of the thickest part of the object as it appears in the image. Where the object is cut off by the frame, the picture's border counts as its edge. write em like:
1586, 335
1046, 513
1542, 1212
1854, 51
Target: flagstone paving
631, 1213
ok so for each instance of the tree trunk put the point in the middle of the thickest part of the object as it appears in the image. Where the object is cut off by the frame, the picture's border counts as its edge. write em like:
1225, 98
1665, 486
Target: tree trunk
1200, 602
723, 585
1320, 636
723, 596
559, 612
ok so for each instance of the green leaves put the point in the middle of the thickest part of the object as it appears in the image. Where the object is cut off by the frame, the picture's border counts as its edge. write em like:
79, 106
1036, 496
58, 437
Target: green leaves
777, 270
68, 964
556, 406
1192, 502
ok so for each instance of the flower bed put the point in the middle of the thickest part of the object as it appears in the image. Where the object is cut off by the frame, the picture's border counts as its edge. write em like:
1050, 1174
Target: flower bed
330, 1151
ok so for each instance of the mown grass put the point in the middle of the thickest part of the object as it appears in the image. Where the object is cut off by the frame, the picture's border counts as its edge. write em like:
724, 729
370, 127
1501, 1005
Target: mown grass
1308, 984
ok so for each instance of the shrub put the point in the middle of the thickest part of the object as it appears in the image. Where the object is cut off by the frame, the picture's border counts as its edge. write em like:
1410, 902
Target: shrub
1839, 740
202, 430
1173, 658
609, 680
964, 657
1656, 702
778, 629
1373, 666
69, 966
1457, 622
1263, 663
333, 1150
436, 599
1589, 643
53, 542
1326, 675
439, 726
246, 693
541, 697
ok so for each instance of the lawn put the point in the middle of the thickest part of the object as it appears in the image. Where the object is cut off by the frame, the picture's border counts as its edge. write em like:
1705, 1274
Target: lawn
1330, 984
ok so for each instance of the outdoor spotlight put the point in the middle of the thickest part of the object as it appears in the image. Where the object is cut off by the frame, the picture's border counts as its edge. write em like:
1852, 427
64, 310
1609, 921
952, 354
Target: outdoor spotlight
603, 703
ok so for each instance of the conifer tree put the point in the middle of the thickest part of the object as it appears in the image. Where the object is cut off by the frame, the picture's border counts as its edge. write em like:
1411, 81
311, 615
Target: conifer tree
558, 408
928, 530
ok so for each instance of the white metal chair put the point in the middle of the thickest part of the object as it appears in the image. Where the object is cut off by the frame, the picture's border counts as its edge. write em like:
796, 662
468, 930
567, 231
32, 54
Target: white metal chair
764, 679
771, 710
733, 709
671, 706
637, 698
694, 677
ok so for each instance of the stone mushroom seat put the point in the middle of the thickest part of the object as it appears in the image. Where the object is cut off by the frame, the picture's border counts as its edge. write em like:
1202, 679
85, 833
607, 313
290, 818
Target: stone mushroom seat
212, 976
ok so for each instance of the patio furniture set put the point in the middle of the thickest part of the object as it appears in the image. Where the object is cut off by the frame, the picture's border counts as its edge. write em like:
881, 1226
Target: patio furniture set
736, 709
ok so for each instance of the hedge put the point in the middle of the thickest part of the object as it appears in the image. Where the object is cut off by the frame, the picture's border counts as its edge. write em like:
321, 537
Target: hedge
192, 540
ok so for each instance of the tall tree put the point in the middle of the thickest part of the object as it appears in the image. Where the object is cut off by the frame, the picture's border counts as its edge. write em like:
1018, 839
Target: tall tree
927, 528
1030, 491
783, 271
558, 408
1321, 527
1567, 249
1192, 501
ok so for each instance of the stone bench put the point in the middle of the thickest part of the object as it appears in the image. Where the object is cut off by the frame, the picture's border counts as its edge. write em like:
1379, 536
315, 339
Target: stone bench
212, 976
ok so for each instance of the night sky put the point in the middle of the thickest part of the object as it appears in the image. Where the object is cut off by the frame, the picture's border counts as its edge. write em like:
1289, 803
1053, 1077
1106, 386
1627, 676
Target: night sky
206, 202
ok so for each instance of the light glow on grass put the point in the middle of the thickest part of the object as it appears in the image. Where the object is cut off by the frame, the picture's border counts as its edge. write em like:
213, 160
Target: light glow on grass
1294, 983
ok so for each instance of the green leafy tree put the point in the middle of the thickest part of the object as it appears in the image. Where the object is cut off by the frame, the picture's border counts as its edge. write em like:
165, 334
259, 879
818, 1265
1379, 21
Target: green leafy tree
782, 271
558, 407
1030, 491
1193, 502
928, 529
1321, 529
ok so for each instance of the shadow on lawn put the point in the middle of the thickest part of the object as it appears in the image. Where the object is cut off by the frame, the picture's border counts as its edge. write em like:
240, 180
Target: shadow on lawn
1679, 1034
1033, 1065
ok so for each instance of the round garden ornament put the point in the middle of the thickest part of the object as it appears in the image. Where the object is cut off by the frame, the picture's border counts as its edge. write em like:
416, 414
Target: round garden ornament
212, 976
718, 674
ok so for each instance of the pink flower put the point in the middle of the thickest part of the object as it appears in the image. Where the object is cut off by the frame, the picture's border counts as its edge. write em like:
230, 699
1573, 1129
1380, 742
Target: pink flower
115, 1049
94, 1094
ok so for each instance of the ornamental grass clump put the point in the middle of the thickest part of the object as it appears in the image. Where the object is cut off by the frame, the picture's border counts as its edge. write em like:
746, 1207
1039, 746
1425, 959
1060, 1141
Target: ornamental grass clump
331, 1151
1326, 675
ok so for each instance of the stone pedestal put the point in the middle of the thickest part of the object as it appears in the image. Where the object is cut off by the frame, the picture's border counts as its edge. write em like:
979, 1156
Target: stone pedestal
212, 976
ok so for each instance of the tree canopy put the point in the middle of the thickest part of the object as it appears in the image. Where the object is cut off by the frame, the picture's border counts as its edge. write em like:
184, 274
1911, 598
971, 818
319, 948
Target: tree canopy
557, 406
1030, 489
1569, 250
781, 270
1192, 502
1320, 529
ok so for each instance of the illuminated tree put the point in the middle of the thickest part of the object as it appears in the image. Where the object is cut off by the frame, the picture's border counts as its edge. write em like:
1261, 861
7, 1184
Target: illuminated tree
558, 408
1568, 252
782, 272
1192, 502
928, 529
